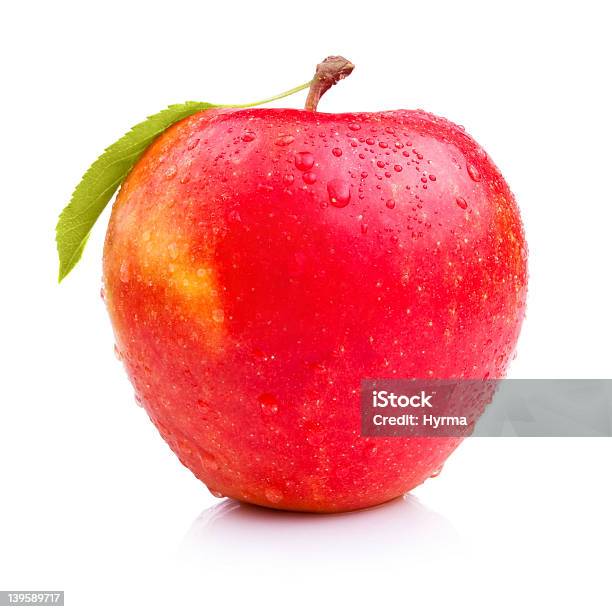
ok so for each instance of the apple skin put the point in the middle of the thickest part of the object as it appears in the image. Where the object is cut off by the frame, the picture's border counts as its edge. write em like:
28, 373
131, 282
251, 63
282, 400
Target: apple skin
260, 263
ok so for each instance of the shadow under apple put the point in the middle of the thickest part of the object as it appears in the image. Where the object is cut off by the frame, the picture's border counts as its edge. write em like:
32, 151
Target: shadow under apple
231, 533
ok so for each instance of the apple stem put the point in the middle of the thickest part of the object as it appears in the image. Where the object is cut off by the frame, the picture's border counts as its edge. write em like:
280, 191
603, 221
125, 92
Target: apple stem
331, 70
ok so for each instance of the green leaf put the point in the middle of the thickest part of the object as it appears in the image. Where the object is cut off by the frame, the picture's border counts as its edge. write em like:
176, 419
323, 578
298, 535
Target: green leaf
107, 173
103, 178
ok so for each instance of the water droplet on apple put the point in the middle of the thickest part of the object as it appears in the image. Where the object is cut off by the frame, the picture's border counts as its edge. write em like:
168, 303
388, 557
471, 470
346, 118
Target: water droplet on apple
234, 216
273, 495
473, 172
248, 136
461, 202
124, 272
390, 204
209, 461
218, 315
339, 193
170, 172
337, 152
437, 472
203, 406
310, 178
117, 352
288, 179
138, 400
364, 228
432, 177
268, 404
192, 144
284, 140
370, 141
354, 126
215, 493
370, 451
481, 153
304, 161
380, 164
397, 168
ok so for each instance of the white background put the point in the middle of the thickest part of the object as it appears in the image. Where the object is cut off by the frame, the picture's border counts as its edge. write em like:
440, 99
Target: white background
92, 501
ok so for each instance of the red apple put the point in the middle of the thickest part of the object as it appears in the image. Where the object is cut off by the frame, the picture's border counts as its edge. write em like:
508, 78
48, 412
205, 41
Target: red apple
260, 263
